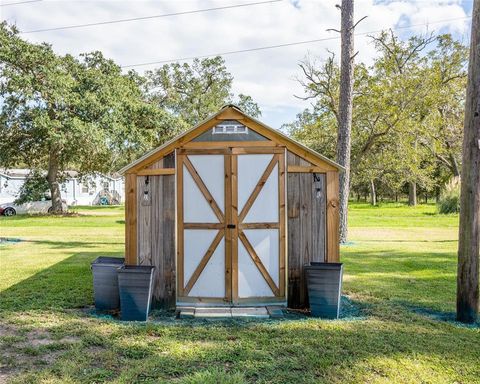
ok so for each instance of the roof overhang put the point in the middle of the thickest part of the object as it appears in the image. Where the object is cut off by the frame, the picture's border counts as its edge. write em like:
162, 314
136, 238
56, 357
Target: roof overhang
229, 112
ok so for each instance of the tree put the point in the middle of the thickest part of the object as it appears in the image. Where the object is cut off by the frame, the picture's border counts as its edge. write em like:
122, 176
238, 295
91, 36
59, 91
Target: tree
446, 77
194, 92
469, 229
60, 112
344, 141
396, 125
34, 188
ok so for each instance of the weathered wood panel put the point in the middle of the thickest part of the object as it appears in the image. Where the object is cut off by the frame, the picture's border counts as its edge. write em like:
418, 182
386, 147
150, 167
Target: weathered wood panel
333, 217
306, 228
156, 231
130, 219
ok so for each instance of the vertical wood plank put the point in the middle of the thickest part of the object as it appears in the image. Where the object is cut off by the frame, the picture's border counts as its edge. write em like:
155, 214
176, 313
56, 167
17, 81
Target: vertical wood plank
228, 219
144, 222
333, 218
158, 237
318, 220
180, 220
131, 219
234, 218
282, 230
293, 215
306, 217
305, 241
169, 272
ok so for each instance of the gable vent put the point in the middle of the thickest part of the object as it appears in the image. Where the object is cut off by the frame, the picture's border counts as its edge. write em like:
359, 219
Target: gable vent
230, 127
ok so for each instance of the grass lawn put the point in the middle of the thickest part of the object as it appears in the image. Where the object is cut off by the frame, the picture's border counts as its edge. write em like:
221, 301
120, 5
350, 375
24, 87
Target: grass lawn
400, 270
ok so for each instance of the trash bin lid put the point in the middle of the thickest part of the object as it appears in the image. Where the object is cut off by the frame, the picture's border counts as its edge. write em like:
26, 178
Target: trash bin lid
136, 269
108, 261
323, 265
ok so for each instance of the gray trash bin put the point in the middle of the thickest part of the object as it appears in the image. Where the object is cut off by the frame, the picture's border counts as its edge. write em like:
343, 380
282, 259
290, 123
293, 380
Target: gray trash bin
324, 282
135, 284
105, 282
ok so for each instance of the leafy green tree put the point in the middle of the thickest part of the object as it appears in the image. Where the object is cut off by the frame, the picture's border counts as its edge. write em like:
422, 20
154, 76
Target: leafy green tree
406, 113
195, 91
447, 81
61, 112
34, 189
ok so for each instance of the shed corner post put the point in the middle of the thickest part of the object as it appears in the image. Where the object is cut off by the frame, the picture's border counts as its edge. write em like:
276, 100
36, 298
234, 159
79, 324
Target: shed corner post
130, 219
333, 217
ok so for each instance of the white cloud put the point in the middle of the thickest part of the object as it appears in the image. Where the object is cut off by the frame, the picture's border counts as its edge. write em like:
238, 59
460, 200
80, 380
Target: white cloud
268, 76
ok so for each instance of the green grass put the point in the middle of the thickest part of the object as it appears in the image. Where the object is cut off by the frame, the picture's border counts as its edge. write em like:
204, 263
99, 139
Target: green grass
399, 268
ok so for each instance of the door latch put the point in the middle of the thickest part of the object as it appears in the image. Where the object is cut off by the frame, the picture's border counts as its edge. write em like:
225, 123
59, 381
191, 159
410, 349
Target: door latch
231, 226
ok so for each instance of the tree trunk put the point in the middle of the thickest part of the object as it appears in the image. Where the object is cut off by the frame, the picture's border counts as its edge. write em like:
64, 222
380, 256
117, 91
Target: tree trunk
52, 178
469, 229
412, 193
373, 194
345, 112
454, 166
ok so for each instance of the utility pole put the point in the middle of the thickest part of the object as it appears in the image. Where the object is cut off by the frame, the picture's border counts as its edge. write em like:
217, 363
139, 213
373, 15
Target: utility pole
344, 141
469, 229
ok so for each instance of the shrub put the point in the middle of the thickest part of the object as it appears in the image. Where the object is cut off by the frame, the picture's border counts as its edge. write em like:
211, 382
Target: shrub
449, 201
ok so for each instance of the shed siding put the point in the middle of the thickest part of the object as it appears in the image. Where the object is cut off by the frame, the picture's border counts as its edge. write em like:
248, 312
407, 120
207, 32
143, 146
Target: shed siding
306, 228
156, 231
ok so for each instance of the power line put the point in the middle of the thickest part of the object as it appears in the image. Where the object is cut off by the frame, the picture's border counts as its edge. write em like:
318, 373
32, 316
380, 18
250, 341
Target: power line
20, 2
150, 17
281, 45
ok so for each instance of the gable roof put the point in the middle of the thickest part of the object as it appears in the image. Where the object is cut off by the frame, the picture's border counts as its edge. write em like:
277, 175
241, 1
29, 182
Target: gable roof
231, 112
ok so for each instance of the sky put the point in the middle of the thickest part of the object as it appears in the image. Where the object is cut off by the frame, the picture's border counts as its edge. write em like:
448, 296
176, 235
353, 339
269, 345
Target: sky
270, 76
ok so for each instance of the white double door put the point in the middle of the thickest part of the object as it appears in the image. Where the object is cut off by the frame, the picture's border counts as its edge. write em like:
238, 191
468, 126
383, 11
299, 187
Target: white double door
231, 225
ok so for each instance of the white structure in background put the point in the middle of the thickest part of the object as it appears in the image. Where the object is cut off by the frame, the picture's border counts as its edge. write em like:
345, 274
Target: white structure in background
89, 190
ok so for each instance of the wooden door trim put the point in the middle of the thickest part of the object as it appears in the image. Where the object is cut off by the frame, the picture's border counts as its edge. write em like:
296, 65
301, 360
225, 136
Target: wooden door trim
180, 227
234, 221
228, 232
282, 218
265, 225
231, 216
203, 262
257, 150
203, 225
203, 188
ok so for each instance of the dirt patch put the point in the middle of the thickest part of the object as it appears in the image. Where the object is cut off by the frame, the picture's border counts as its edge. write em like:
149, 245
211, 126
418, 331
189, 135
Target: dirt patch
69, 340
5, 330
4, 377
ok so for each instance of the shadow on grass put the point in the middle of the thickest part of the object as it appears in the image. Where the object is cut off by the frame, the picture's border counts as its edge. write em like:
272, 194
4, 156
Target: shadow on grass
306, 351
71, 244
445, 316
66, 284
425, 279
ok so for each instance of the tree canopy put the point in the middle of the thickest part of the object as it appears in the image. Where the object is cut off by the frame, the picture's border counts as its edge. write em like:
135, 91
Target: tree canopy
61, 112
407, 115
193, 92
83, 113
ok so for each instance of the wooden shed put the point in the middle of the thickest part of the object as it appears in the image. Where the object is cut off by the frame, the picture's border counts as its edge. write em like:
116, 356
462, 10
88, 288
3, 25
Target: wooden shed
229, 212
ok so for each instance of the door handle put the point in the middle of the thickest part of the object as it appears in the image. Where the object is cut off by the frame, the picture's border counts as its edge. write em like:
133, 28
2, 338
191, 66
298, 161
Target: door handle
231, 226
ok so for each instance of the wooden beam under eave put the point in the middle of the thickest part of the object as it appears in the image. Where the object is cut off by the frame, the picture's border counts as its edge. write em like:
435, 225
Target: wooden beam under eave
289, 144
156, 172
130, 219
333, 218
306, 169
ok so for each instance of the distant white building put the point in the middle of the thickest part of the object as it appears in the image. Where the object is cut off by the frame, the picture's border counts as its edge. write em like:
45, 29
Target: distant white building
93, 189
